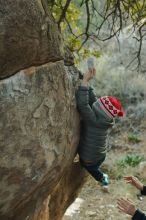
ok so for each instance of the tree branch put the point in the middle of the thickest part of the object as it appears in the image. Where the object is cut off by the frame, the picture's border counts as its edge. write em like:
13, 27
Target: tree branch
63, 14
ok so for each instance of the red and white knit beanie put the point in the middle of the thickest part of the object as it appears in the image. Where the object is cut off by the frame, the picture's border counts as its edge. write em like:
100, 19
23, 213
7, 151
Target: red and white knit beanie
110, 106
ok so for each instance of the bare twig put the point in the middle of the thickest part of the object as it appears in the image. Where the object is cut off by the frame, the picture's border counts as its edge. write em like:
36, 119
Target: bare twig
64, 10
115, 15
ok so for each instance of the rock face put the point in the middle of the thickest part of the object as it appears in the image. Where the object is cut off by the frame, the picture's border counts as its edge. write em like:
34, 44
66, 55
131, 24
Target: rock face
28, 35
39, 123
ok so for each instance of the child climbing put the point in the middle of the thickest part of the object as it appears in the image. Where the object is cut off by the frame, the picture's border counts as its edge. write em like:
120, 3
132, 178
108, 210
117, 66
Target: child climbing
97, 117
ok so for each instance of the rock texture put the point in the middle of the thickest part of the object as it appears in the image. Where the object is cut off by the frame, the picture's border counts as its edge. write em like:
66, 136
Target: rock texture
28, 35
39, 128
39, 123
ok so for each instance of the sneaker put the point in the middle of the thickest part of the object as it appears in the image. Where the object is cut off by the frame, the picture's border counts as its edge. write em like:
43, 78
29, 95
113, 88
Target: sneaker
105, 180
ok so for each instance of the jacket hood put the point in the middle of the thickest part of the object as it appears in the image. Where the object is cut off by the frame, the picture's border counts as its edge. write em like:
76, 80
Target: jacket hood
101, 115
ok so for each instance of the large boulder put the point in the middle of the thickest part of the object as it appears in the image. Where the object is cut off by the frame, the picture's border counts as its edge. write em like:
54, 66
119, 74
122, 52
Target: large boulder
39, 122
28, 35
39, 133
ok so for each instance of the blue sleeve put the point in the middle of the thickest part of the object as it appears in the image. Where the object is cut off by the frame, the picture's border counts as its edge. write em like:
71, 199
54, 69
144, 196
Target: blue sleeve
139, 215
143, 192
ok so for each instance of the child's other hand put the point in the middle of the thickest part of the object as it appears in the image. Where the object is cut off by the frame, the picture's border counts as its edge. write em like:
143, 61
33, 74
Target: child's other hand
134, 181
126, 206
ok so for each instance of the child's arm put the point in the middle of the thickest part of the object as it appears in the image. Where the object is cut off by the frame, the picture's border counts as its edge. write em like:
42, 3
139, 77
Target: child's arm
83, 97
92, 96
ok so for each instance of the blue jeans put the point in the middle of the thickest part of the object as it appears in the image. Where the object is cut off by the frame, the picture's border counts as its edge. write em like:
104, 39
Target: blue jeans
93, 169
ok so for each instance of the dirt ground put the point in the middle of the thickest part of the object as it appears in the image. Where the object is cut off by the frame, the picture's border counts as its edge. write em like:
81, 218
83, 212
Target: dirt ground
100, 205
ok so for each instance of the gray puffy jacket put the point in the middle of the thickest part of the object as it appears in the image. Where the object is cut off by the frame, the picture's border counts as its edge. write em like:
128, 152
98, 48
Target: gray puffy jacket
95, 124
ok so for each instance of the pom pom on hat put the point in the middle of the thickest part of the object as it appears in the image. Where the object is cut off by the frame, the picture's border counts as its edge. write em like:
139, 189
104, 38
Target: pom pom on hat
111, 106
